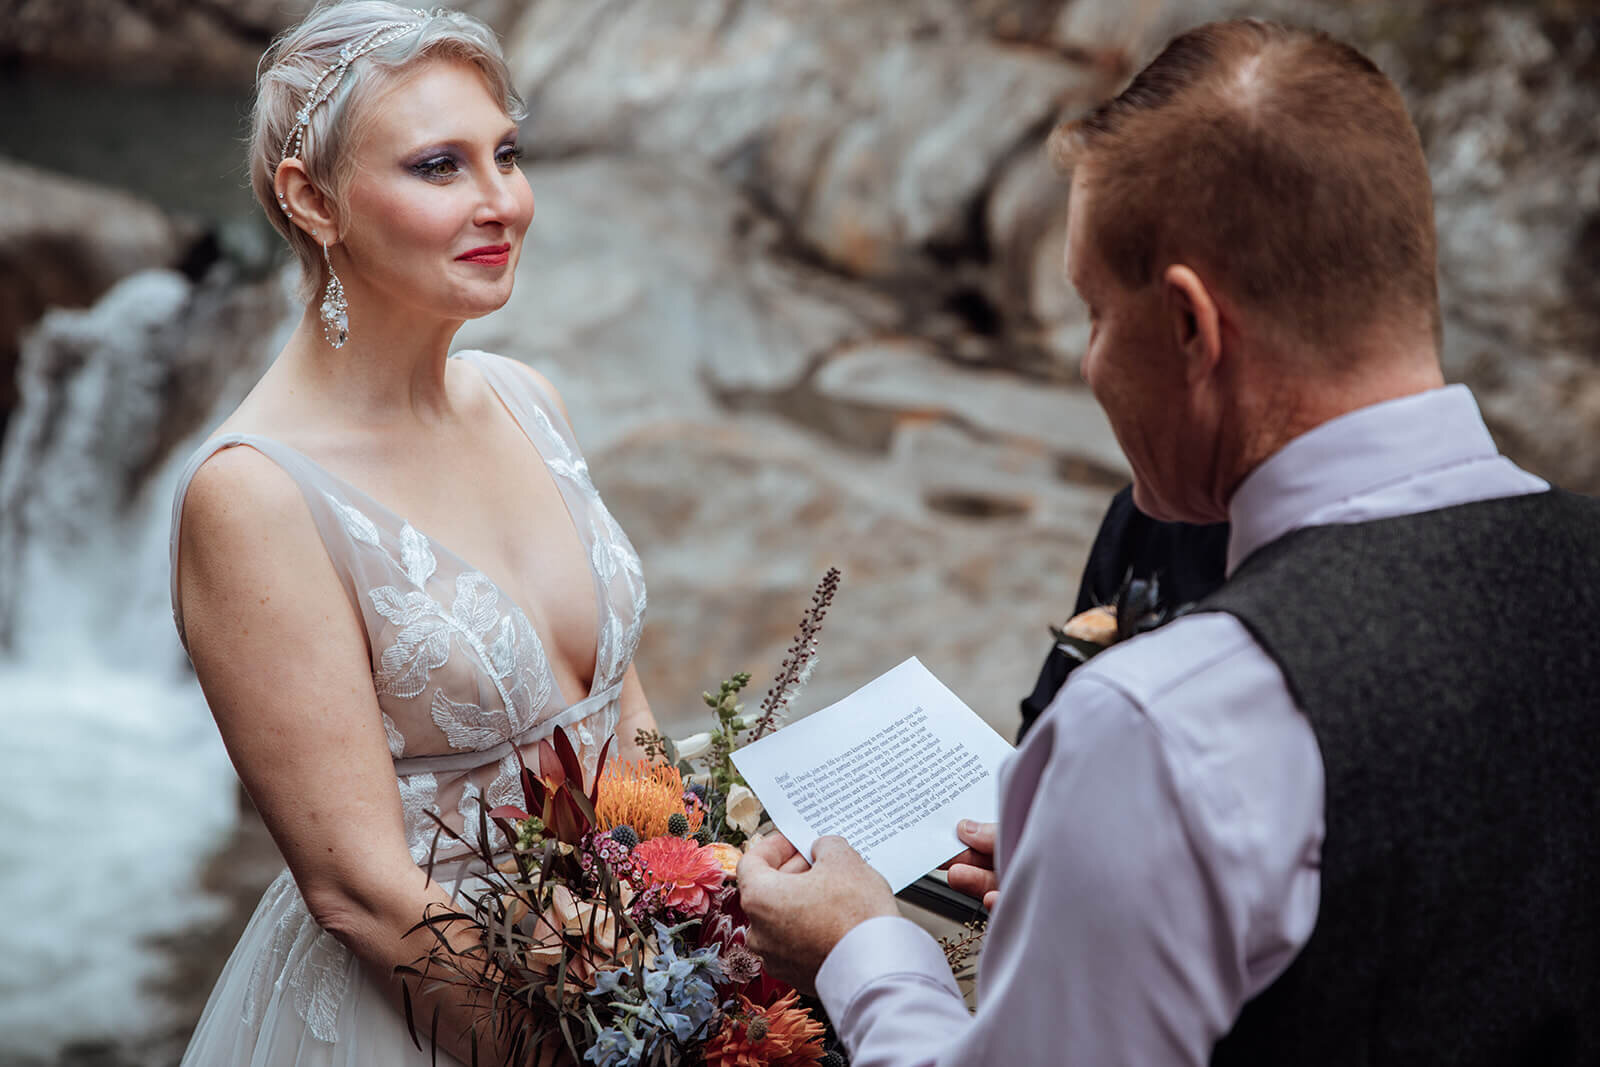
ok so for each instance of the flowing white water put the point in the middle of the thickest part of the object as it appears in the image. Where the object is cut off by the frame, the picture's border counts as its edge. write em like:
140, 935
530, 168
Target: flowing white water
120, 789
118, 786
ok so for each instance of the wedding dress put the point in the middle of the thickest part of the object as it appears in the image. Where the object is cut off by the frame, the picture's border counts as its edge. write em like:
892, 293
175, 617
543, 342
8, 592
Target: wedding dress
461, 677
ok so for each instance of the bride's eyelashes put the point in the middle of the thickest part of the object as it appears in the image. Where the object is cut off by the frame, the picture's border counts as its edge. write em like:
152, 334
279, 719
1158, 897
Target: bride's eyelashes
436, 168
441, 166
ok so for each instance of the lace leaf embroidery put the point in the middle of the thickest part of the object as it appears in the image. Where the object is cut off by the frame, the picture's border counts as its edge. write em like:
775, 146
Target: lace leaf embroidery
416, 556
418, 797
467, 726
356, 525
531, 684
396, 739
304, 960
477, 603
421, 643
503, 652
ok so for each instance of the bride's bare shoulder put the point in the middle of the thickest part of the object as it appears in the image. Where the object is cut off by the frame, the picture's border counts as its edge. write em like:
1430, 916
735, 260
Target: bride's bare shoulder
240, 501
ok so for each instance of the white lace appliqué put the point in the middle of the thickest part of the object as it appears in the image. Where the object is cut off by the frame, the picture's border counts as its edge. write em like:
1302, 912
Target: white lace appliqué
303, 961
511, 689
511, 656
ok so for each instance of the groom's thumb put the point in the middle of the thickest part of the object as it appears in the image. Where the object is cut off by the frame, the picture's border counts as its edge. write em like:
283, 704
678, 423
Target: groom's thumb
832, 849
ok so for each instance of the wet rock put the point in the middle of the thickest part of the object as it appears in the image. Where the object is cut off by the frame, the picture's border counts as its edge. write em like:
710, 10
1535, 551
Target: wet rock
1515, 156
906, 376
142, 40
209, 41
870, 128
1026, 222
62, 243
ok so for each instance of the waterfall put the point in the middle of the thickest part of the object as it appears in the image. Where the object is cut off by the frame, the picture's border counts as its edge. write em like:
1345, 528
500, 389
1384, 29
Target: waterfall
124, 788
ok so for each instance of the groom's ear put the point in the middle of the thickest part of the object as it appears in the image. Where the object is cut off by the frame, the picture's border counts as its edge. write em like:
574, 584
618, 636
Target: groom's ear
1193, 320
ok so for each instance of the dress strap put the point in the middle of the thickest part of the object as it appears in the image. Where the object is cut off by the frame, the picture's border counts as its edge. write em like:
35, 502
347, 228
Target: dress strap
311, 480
529, 401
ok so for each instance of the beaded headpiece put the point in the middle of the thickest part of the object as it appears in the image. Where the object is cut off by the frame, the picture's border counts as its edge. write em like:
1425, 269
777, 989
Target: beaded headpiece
331, 78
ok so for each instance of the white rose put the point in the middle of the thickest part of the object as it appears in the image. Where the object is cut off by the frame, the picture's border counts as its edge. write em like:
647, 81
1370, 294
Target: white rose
744, 810
694, 746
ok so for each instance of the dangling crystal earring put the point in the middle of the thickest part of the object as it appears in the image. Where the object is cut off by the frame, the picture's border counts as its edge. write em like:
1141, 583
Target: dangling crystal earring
335, 311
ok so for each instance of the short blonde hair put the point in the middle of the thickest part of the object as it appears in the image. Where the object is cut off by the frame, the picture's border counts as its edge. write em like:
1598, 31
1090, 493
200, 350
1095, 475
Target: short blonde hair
1280, 160
301, 54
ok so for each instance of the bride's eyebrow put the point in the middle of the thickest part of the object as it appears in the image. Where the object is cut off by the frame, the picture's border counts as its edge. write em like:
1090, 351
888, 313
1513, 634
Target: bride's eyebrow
456, 145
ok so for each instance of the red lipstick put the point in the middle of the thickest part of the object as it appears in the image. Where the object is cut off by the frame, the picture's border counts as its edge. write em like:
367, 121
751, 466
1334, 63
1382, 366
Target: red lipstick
488, 255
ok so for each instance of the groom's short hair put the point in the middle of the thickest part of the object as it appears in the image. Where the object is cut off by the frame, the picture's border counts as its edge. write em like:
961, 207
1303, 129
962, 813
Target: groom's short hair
1279, 162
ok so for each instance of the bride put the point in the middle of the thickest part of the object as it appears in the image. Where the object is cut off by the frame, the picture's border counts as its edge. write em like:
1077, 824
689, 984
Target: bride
389, 565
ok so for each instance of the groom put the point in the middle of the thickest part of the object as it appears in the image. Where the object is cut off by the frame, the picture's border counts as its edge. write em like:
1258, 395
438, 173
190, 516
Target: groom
1349, 812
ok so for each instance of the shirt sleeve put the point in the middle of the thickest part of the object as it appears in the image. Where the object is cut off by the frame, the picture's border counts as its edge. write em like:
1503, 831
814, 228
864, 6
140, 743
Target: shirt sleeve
1134, 893
887, 981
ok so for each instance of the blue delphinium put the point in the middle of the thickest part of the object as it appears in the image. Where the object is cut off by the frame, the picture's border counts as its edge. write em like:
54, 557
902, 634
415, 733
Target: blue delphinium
680, 999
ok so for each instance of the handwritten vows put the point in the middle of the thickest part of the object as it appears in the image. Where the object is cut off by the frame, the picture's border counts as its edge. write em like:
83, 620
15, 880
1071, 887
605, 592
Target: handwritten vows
890, 768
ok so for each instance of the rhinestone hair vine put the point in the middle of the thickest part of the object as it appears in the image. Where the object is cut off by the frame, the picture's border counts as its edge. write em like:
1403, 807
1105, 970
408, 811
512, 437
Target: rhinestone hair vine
330, 80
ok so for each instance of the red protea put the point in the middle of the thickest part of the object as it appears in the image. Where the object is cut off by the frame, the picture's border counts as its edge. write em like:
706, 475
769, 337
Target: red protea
689, 872
780, 1035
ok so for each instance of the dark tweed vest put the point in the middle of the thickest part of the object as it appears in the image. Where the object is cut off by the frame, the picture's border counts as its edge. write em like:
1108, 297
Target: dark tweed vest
1449, 664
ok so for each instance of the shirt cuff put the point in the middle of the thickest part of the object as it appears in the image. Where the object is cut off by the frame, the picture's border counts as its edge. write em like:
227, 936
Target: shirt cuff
882, 947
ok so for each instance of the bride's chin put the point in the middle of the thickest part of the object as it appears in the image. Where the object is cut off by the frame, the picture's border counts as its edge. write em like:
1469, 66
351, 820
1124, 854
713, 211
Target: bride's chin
478, 308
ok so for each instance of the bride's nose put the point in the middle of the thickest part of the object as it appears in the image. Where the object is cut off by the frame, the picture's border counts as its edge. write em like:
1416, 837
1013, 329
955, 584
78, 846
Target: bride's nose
505, 200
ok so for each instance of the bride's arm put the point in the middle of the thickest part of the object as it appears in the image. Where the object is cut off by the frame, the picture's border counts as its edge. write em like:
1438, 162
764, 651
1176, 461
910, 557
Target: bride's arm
283, 660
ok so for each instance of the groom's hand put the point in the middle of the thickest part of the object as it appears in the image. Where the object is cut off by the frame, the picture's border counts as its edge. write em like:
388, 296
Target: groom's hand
798, 912
972, 872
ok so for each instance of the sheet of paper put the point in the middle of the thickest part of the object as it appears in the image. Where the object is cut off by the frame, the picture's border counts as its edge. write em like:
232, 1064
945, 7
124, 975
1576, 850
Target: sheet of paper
890, 768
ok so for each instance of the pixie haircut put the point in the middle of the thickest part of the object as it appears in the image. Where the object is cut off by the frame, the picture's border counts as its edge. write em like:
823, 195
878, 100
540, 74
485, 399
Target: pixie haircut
1280, 162
298, 57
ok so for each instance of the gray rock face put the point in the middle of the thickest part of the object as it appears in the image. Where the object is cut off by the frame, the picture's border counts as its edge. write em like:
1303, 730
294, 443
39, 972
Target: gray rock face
1509, 123
146, 40
650, 289
869, 127
736, 523
210, 41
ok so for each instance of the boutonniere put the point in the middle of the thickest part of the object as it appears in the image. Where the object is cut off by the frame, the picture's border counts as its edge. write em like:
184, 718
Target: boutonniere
1136, 609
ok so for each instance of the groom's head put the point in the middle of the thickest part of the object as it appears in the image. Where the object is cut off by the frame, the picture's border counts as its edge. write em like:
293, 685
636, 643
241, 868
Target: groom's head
1252, 227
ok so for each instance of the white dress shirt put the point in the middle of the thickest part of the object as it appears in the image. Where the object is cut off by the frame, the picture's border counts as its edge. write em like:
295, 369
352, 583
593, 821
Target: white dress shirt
1161, 827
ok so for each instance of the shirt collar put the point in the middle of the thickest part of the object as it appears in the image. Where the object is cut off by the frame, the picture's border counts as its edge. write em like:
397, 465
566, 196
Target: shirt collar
1353, 454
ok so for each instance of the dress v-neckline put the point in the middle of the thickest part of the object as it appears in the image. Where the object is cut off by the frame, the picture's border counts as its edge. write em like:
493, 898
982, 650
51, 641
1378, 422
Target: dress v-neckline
602, 595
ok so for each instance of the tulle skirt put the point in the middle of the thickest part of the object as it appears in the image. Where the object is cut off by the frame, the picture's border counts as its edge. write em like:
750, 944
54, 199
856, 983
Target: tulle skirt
292, 996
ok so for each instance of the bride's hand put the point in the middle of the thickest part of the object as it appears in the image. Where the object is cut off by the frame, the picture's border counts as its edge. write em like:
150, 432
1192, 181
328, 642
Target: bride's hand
972, 872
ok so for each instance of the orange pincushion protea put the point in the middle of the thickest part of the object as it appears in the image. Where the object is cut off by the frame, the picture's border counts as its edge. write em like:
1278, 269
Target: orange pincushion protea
644, 796
690, 872
779, 1035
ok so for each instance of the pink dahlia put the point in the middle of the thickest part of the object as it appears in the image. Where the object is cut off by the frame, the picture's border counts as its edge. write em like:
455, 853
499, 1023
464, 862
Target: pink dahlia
690, 873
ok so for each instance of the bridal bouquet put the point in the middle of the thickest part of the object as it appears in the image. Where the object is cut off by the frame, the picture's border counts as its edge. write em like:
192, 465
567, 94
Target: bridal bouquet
613, 928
